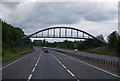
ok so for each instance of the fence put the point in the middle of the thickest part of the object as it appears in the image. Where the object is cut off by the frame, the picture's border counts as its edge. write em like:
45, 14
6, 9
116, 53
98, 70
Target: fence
104, 62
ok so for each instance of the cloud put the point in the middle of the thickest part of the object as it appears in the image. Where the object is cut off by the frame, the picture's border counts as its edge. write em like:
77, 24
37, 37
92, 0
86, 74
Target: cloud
90, 16
10, 4
60, 13
60, 0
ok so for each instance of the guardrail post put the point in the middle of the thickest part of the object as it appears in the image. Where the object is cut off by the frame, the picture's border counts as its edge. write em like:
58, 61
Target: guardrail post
119, 67
104, 61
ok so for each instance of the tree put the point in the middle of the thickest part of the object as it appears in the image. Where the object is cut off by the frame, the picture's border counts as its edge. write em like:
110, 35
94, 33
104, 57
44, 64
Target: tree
118, 46
91, 43
100, 37
10, 35
98, 43
112, 39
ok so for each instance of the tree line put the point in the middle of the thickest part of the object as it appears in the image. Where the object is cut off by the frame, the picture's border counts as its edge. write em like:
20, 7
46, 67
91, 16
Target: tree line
12, 36
113, 42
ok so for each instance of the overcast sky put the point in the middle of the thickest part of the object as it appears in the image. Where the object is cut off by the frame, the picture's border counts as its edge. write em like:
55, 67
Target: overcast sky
93, 17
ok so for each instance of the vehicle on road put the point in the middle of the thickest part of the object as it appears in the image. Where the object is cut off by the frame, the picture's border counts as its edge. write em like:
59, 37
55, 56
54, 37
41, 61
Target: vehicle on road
45, 49
76, 50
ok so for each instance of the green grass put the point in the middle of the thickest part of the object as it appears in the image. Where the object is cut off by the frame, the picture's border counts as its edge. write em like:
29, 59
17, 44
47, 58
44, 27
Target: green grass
10, 54
9, 57
109, 52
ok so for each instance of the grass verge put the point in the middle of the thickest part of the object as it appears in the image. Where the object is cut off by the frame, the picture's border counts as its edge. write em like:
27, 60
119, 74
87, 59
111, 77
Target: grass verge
10, 54
109, 52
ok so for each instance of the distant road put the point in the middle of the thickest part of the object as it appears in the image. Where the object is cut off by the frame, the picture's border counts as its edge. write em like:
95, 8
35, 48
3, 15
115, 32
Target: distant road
52, 65
93, 55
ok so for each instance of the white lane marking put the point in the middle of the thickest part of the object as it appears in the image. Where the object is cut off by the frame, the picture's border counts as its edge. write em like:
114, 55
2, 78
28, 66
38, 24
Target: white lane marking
63, 66
33, 69
9, 64
59, 62
30, 76
37, 61
70, 72
56, 59
36, 64
13, 62
94, 67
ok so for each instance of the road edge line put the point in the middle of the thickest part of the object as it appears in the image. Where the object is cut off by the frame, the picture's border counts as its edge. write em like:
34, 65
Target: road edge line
13, 62
95, 67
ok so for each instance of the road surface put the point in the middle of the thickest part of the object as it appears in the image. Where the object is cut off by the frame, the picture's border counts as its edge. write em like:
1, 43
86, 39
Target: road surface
52, 65
92, 55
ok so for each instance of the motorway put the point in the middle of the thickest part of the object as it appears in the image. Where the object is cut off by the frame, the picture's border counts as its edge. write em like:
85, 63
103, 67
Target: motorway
52, 65
93, 55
